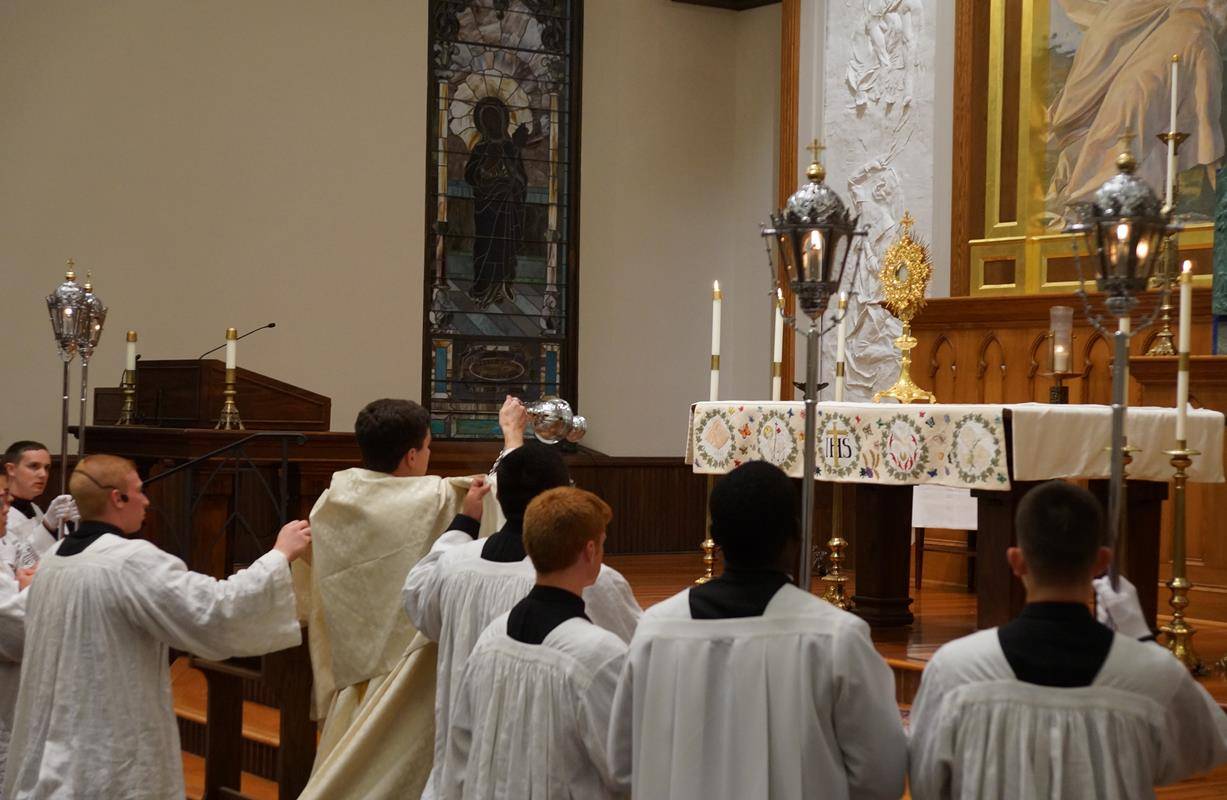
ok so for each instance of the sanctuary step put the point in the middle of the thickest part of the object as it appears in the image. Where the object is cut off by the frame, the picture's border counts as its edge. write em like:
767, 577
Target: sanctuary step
260, 723
254, 787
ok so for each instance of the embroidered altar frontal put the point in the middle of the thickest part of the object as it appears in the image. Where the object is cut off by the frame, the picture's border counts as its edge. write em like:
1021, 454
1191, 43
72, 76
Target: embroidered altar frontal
950, 445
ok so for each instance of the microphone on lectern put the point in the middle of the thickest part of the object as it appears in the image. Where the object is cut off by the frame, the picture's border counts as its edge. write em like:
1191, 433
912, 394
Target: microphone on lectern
244, 336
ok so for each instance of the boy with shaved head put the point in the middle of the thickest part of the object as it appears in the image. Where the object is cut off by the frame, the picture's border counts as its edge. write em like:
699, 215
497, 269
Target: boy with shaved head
94, 718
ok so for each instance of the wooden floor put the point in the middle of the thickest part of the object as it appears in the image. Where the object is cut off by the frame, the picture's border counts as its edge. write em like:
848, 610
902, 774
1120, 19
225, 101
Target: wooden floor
942, 614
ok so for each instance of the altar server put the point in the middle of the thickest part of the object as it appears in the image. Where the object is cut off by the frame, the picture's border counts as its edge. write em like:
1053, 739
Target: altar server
462, 585
94, 715
533, 702
30, 531
374, 677
1054, 704
12, 638
748, 686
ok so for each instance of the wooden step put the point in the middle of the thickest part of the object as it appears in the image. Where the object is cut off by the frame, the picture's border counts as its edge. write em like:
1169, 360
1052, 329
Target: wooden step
260, 723
253, 786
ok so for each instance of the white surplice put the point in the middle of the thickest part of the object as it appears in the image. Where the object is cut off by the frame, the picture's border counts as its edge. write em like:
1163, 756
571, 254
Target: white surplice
790, 705
20, 528
12, 639
530, 721
453, 594
976, 731
94, 713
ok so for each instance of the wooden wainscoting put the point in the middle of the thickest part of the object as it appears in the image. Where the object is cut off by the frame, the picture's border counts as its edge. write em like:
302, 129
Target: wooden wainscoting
994, 350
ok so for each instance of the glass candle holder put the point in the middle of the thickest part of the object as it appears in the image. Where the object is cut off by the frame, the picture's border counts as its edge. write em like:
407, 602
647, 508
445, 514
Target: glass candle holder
1060, 337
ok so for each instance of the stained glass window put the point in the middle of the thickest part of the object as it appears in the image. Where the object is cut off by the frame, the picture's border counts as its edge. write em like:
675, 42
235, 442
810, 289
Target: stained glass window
501, 249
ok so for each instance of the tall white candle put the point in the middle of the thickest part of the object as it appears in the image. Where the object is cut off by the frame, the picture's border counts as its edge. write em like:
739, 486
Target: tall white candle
1171, 141
1186, 330
716, 298
232, 346
777, 347
841, 344
130, 361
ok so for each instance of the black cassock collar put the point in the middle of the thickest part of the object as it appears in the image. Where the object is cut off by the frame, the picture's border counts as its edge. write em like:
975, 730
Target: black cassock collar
86, 534
26, 507
738, 592
545, 608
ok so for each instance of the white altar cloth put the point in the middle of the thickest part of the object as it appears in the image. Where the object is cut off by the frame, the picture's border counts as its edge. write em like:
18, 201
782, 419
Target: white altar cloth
1055, 441
961, 446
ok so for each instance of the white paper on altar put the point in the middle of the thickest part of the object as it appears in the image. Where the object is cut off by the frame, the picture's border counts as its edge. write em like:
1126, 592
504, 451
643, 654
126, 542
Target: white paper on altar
944, 507
1071, 441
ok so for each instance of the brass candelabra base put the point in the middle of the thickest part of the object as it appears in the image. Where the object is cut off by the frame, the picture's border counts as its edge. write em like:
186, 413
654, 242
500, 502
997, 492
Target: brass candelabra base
905, 389
127, 412
229, 419
1179, 633
708, 546
836, 580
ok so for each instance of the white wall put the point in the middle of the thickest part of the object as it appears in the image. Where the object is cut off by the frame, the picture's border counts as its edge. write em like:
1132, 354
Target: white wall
215, 164
232, 163
680, 129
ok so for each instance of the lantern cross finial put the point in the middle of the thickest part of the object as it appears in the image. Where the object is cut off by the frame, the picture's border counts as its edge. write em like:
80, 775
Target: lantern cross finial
815, 149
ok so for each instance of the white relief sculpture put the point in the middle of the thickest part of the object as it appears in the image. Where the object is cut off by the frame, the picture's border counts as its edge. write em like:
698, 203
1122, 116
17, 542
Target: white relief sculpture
1119, 79
879, 127
885, 54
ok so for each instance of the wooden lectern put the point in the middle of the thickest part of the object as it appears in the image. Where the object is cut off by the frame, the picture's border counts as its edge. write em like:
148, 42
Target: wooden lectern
187, 393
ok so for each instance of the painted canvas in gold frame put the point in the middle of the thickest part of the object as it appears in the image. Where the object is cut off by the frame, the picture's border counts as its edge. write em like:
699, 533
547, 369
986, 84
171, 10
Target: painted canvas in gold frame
1066, 79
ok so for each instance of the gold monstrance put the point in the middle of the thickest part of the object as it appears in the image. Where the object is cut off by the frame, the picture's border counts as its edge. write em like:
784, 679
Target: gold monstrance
906, 269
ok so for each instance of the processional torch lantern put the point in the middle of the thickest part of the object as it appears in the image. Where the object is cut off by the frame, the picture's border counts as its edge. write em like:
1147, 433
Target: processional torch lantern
1121, 228
809, 243
94, 314
68, 321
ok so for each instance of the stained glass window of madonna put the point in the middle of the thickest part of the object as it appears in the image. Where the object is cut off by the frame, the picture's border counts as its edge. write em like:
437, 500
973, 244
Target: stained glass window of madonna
502, 170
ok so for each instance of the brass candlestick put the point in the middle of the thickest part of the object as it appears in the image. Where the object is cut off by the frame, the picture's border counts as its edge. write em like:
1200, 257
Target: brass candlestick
1162, 345
127, 412
229, 419
906, 269
709, 546
1178, 632
835, 578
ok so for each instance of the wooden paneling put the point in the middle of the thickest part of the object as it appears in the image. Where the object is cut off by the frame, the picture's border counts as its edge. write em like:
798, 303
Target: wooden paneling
971, 32
1206, 504
995, 350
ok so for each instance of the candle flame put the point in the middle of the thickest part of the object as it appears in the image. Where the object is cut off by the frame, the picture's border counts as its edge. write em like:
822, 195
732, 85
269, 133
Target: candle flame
715, 286
1122, 231
1143, 250
815, 240
1187, 266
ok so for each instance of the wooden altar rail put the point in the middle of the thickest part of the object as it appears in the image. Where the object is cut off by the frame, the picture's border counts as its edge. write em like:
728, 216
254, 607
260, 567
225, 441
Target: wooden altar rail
993, 350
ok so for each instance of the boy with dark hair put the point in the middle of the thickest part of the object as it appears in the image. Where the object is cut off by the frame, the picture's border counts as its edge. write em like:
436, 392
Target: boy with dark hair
374, 676
1053, 703
462, 585
747, 686
533, 703
30, 531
